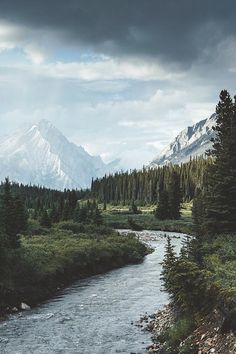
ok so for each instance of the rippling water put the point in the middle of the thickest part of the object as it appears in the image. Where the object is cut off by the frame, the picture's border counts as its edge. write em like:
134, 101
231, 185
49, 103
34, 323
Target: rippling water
94, 315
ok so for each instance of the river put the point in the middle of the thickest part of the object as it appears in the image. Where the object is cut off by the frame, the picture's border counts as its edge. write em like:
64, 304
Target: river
96, 315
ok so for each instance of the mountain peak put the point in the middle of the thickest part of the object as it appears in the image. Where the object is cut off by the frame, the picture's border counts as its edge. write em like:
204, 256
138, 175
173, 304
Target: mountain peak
42, 155
192, 141
44, 123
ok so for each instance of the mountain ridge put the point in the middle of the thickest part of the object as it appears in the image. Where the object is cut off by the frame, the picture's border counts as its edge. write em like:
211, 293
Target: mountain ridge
193, 141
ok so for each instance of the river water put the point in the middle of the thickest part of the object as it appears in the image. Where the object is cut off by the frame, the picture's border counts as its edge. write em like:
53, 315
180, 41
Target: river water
94, 315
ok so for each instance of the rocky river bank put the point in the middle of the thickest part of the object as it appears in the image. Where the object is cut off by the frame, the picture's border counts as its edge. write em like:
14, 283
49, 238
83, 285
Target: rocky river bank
207, 338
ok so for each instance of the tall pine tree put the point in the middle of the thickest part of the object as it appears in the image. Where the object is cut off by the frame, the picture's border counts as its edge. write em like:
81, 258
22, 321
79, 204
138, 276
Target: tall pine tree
221, 197
175, 196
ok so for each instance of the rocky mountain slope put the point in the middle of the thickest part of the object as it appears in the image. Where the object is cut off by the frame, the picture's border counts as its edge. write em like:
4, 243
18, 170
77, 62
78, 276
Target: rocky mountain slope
40, 154
192, 141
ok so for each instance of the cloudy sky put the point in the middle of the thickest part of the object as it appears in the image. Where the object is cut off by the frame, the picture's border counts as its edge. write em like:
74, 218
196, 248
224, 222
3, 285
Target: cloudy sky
119, 77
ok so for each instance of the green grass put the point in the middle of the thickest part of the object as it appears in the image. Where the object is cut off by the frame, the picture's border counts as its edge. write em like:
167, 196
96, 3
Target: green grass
118, 217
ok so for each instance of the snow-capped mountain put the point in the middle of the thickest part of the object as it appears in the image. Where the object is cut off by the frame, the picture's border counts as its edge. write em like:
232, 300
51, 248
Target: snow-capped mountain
40, 154
192, 141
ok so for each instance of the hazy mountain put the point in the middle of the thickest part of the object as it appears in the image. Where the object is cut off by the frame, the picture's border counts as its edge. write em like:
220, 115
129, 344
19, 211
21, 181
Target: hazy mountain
41, 154
192, 141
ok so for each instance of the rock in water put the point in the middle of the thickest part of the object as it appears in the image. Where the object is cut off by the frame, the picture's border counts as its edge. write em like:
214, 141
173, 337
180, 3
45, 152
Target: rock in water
24, 306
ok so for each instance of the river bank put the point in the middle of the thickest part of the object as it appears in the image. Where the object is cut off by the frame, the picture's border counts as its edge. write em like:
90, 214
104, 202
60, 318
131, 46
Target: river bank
207, 338
47, 263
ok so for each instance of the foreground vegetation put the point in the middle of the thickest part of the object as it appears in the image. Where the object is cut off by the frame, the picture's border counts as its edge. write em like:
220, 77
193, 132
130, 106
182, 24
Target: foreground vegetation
203, 277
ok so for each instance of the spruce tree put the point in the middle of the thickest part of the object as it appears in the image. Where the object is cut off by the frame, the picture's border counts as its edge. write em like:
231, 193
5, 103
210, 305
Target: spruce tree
133, 208
221, 196
13, 216
168, 265
175, 196
198, 211
21, 216
45, 220
162, 211
97, 217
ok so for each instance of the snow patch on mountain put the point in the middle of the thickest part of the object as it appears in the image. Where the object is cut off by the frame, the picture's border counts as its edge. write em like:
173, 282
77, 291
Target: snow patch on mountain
192, 141
40, 154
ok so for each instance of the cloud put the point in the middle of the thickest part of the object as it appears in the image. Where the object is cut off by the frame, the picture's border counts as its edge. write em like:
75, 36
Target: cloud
13, 36
133, 130
106, 69
173, 31
34, 54
121, 78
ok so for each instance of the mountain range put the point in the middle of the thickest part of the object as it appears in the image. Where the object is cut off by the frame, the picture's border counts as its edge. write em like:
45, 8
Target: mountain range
40, 154
192, 141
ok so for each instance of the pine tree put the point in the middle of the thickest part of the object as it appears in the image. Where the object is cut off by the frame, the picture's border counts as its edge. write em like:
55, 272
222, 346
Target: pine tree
133, 208
198, 211
168, 265
72, 201
77, 213
82, 214
175, 196
221, 196
54, 215
104, 205
45, 220
66, 214
13, 217
97, 217
162, 211
21, 216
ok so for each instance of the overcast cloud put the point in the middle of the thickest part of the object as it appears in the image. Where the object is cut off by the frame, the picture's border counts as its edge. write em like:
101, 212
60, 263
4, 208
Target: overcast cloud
120, 77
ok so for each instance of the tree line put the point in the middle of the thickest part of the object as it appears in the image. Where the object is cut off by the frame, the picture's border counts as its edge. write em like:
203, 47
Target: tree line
146, 186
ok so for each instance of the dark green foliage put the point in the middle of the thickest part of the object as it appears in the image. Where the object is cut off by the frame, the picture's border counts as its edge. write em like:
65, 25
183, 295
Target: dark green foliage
133, 225
13, 216
75, 227
174, 335
104, 206
221, 196
54, 215
59, 204
162, 211
66, 214
198, 211
20, 216
175, 196
143, 187
168, 265
170, 199
97, 217
133, 208
45, 220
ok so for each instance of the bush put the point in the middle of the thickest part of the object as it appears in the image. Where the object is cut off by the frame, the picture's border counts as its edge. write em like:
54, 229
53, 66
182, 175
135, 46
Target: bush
176, 334
34, 228
75, 227
133, 225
